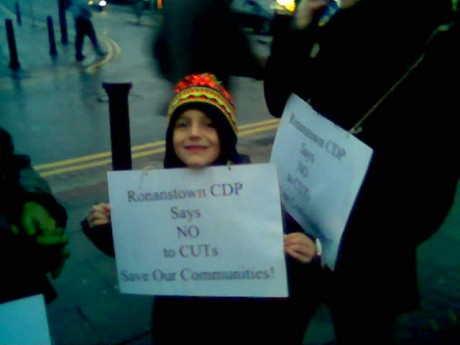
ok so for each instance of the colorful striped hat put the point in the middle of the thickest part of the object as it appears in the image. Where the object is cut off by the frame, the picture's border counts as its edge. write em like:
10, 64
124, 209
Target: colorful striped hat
204, 88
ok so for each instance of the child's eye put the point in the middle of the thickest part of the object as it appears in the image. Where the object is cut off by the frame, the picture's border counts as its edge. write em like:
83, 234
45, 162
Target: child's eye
181, 124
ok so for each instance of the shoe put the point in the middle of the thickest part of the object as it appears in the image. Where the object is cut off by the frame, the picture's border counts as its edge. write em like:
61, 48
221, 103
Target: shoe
80, 57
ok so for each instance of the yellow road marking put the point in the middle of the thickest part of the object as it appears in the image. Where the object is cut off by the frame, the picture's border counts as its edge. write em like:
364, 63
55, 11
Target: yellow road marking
113, 49
148, 149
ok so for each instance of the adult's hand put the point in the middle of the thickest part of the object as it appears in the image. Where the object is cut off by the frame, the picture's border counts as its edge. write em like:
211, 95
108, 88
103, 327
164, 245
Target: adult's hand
307, 11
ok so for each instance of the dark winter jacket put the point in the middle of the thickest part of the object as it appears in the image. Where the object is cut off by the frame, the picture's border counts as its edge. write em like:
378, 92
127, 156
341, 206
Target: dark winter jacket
411, 182
202, 36
23, 265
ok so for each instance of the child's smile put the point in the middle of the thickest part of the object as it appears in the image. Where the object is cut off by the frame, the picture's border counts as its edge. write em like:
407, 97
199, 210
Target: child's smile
195, 139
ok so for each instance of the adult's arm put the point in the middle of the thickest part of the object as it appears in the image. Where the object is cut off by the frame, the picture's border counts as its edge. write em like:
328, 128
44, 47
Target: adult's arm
22, 267
36, 189
288, 60
41, 217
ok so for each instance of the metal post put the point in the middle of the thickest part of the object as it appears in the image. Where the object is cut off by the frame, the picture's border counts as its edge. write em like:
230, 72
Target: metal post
18, 13
63, 22
119, 124
14, 61
52, 40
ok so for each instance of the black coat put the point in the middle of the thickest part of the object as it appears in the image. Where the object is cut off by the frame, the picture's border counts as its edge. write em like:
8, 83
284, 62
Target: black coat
24, 263
202, 36
411, 182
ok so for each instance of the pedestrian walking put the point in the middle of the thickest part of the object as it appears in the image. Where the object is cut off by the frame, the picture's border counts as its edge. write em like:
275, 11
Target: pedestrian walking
203, 36
138, 9
202, 132
81, 12
373, 69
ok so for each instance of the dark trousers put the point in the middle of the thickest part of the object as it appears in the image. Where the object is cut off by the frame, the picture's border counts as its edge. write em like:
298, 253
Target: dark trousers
84, 27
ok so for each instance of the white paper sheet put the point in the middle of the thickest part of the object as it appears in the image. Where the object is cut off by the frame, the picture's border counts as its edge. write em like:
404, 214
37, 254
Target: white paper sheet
24, 322
321, 168
199, 232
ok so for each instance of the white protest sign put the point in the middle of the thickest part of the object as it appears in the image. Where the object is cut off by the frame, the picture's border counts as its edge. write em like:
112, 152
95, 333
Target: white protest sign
215, 231
24, 322
321, 168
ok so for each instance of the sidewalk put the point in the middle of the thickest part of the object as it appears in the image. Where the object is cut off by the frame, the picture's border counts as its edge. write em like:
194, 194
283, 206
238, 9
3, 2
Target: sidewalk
34, 56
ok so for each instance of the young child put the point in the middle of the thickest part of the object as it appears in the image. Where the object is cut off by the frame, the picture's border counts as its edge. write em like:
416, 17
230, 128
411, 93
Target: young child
202, 132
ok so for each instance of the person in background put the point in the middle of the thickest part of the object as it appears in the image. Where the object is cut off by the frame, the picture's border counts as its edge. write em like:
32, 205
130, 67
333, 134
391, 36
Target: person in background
383, 71
202, 36
202, 132
81, 12
32, 223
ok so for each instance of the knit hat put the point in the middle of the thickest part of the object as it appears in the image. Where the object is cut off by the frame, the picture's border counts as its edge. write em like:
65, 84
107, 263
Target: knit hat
196, 90
204, 92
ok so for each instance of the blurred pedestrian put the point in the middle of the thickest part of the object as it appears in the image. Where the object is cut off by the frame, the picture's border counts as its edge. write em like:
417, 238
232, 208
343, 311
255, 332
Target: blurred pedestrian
82, 13
383, 71
138, 9
32, 222
203, 36
202, 115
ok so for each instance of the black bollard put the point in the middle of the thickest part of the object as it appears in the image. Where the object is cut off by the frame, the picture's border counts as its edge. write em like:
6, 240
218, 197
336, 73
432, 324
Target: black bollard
119, 124
52, 40
18, 13
63, 22
14, 61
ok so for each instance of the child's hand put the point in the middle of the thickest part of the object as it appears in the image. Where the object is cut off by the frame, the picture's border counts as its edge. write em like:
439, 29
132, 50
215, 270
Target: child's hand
300, 247
99, 214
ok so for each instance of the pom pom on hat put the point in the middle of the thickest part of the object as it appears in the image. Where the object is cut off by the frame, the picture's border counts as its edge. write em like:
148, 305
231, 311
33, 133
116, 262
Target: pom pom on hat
204, 88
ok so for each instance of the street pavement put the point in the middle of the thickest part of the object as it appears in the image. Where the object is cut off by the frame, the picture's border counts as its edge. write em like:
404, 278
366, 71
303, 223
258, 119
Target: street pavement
57, 102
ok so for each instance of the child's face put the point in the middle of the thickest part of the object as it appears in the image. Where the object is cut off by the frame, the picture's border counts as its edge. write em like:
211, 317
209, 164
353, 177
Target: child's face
196, 141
